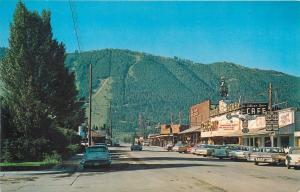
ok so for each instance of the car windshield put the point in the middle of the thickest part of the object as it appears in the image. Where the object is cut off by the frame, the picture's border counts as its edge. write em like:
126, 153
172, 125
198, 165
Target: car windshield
96, 149
274, 150
295, 151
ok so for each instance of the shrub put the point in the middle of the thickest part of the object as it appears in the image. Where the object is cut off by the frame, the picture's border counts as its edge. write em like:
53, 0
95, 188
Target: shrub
52, 158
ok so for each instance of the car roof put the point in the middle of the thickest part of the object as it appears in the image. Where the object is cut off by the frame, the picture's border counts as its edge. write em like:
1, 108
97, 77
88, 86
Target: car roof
98, 146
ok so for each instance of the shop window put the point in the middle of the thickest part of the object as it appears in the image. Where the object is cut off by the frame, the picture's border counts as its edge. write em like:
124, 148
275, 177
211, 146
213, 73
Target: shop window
267, 142
284, 141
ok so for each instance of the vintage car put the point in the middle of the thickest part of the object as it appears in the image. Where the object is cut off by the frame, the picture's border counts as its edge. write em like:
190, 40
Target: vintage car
193, 149
136, 147
180, 147
254, 153
293, 158
271, 155
204, 150
220, 151
169, 147
241, 152
96, 155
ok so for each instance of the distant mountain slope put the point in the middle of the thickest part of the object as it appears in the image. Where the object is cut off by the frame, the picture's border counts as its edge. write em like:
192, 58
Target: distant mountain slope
156, 86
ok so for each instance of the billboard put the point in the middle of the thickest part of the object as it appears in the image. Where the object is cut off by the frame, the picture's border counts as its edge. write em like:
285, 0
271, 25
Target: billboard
199, 113
259, 122
286, 117
222, 123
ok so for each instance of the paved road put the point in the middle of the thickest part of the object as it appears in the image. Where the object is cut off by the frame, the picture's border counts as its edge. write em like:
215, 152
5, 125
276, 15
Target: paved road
157, 170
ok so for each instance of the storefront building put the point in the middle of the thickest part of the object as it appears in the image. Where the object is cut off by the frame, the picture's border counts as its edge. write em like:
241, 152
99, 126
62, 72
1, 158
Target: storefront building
228, 122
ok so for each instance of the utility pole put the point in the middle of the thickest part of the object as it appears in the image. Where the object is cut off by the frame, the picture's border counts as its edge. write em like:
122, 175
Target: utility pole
110, 121
180, 117
90, 109
140, 124
270, 97
270, 110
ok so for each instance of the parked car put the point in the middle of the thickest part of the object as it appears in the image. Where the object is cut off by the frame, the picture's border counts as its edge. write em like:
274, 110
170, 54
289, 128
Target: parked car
183, 148
101, 144
271, 155
193, 149
115, 143
136, 147
96, 155
169, 147
204, 150
180, 147
146, 143
255, 152
189, 149
241, 153
220, 152
293, 158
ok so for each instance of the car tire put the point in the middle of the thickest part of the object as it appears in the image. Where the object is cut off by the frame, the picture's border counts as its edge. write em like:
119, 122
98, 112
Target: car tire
255, 163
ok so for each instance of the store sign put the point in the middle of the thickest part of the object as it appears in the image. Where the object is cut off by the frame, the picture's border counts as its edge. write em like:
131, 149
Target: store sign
258, 122
272, 121
254, 108
286, 118
224, 108
245, 124
245, 130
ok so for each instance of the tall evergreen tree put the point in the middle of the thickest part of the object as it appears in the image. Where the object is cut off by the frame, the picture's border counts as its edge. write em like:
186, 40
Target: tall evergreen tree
39, 90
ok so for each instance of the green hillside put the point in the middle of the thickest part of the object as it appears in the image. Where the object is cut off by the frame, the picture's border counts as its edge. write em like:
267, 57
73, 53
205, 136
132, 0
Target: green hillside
157, 86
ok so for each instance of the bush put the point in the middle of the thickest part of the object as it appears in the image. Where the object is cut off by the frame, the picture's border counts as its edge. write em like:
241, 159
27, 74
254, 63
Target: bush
52, 158
73, 149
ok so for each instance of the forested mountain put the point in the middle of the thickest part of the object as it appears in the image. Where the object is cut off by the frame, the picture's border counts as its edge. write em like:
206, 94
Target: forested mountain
157, 87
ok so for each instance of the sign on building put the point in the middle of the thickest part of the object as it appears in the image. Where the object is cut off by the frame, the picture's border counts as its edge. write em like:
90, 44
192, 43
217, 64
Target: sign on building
272, 118
245, 126
254, 108
286, 117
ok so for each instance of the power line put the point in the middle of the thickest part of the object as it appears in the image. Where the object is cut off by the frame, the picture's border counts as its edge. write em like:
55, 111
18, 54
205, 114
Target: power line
75, 26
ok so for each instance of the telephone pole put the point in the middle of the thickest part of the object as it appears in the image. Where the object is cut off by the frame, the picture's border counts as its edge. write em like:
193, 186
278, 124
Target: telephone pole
90, 109
180, 117
110, 121
270, 97
140, 125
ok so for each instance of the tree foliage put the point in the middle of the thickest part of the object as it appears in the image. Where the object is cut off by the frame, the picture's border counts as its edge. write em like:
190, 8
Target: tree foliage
40, 92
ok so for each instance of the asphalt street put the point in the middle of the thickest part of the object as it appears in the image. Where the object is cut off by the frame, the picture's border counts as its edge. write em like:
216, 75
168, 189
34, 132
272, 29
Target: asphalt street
155, 169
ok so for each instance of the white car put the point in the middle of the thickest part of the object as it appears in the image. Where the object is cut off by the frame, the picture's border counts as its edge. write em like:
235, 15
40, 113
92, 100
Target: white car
293, 158
241, 153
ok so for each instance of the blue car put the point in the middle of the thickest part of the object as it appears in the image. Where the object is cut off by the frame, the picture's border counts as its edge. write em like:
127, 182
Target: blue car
97, 155
136, 147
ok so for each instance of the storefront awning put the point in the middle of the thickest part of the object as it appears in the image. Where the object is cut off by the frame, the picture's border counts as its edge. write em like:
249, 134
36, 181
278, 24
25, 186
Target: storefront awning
190, 130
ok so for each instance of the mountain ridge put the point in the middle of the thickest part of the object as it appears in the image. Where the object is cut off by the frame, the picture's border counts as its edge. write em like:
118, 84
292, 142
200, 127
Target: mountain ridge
156, 88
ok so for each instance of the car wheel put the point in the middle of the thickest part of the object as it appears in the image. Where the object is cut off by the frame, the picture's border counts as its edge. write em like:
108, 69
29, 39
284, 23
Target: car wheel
255, 163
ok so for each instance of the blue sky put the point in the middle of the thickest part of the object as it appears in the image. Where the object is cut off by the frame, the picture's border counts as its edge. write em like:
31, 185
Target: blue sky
263, 35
